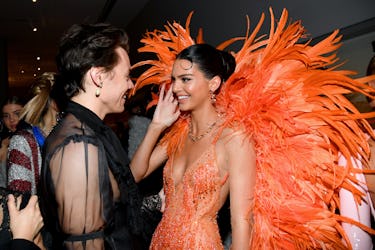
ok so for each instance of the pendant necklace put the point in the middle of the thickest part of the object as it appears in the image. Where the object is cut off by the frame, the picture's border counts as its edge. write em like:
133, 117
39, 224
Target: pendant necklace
198, 137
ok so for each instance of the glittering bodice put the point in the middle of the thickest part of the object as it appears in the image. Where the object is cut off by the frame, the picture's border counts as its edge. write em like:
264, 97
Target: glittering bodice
189, 219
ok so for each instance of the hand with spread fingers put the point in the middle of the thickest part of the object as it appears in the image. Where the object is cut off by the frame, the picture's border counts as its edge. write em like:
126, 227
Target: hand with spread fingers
166, 112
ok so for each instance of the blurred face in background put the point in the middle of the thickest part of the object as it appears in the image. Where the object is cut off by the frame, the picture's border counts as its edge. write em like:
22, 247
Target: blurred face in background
11, 116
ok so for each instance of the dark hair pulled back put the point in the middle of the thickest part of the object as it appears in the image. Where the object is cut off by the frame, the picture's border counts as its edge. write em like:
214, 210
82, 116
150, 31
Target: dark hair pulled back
211, 61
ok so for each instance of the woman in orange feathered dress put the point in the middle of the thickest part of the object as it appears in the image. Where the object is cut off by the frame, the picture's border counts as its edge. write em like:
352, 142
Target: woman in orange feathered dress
206, 159
284, 108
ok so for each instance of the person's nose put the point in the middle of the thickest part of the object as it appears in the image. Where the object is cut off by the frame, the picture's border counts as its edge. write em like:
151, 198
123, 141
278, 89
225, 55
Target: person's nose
175, 87
13, 117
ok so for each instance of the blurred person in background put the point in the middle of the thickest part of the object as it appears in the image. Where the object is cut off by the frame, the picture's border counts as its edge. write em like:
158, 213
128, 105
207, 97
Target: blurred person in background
10, 113
38, 117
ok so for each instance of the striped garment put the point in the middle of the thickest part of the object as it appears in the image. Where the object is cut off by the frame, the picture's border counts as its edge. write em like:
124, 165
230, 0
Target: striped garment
24, 162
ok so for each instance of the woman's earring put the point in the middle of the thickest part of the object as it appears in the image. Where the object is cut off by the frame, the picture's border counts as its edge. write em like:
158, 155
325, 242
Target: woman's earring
97, 92
213, 96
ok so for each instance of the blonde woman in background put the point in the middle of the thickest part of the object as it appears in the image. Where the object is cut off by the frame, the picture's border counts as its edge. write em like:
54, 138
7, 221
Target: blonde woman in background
38, 117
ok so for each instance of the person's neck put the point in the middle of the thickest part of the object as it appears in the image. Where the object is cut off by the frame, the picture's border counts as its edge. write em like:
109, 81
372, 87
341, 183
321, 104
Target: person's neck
201, 119
89, 103
49, 121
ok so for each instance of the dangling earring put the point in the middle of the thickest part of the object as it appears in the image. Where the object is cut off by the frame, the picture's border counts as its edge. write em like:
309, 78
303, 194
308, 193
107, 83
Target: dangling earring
97, 92
213, 97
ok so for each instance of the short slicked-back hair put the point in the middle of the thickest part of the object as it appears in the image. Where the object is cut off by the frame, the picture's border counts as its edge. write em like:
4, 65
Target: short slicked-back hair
84, 46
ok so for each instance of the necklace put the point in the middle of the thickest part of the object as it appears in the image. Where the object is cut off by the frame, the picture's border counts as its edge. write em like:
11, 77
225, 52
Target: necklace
198, 137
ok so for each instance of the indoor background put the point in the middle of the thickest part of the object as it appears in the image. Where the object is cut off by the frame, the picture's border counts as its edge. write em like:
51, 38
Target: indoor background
24, 53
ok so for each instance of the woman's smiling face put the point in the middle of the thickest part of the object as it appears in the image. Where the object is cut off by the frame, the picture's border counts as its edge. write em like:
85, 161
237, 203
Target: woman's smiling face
189, 85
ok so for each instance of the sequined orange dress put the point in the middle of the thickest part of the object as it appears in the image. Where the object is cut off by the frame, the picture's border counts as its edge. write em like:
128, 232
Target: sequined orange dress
189, 219
291, 100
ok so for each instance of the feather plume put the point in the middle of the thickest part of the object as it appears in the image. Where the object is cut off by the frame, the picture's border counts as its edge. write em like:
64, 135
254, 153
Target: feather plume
290, 98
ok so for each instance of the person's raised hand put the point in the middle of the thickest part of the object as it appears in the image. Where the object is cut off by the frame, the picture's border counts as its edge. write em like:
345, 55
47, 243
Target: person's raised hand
25, 223
166, 112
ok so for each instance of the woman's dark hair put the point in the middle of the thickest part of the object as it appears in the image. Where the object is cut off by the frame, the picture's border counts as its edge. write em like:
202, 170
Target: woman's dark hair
4, 132
12, 100
211, 61
84, 46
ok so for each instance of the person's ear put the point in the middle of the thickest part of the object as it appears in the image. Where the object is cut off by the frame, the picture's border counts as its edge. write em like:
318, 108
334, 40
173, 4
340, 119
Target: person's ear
96, 76
215, 83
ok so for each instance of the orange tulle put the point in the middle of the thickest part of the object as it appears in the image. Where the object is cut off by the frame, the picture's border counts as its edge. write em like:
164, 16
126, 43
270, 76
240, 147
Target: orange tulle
290, 97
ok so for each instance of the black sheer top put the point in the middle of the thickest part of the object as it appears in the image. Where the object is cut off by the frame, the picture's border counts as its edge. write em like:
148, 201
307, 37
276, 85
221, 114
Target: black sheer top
89, 199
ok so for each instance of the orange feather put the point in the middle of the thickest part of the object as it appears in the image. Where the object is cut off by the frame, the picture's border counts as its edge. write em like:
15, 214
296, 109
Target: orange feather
290, 98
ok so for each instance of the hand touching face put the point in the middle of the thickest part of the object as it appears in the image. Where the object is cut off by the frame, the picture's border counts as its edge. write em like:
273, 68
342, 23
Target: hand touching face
166, 112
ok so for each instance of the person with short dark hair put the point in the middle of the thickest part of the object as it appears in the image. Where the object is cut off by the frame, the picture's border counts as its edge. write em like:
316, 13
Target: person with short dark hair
89, 198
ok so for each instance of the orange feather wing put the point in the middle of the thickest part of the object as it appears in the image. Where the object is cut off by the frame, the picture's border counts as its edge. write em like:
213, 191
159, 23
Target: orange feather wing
291, 100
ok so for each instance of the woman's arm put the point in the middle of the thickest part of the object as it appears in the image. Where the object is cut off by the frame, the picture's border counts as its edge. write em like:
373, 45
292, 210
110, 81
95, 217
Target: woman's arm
241, 159
148, 157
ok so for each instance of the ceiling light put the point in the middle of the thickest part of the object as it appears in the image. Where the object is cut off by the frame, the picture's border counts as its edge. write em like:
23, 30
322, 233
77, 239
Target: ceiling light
38, 69
22, 71
35, 29
38, 58
34, 74
34, 1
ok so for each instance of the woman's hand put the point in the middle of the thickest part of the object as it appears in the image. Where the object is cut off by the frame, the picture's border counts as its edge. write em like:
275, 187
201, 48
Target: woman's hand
166, 112
25, 223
